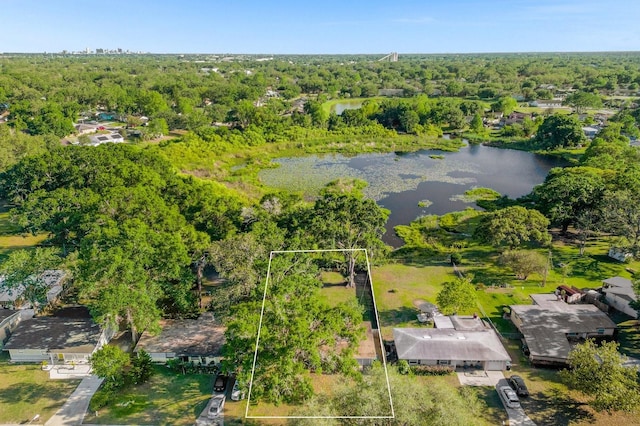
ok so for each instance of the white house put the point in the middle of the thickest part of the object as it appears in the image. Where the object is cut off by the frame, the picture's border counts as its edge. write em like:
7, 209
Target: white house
57, 340
618, 292
99, 139
52, 279
467, 343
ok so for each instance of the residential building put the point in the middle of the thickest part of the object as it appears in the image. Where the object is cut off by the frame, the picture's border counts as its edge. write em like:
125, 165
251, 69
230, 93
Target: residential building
198, 340
53, 280
550, 327
56, 340
464, 342
99, 139
619, 292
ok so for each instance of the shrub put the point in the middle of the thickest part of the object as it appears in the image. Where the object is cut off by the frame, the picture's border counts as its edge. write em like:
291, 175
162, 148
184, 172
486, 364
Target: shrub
432, 370
403, 367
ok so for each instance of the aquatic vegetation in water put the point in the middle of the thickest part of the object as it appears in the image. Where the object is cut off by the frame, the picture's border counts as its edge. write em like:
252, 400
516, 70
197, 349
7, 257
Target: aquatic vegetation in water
385, 173
476, 194
425, 203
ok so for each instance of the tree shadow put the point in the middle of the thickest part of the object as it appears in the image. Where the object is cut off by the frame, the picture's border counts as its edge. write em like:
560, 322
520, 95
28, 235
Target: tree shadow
399, 315
556, 408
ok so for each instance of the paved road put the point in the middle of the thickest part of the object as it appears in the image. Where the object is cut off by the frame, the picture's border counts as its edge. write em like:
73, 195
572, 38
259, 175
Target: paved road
73, 411
517, 416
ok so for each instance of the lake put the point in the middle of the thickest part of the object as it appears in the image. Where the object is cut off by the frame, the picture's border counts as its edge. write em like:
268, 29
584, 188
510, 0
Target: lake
399, 181
341, 106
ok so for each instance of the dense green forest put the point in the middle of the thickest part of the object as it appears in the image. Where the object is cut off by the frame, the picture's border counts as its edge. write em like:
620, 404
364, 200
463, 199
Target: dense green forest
139, 223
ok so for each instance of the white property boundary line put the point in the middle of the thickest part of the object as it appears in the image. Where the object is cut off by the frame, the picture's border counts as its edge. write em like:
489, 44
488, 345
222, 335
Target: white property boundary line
375, 309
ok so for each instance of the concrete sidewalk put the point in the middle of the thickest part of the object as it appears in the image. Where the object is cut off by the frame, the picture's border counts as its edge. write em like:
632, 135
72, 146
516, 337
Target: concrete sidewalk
74, 410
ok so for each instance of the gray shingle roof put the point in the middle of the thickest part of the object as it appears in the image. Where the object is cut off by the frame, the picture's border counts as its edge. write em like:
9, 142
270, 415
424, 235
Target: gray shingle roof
54, 333
545, 326
448, 344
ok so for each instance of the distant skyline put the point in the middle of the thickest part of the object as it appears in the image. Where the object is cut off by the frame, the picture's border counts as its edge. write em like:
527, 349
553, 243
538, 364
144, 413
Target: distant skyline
320, 27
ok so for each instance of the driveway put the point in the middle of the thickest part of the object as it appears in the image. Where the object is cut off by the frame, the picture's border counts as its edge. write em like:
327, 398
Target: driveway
517, 416
479, 377
73, 411
203, 420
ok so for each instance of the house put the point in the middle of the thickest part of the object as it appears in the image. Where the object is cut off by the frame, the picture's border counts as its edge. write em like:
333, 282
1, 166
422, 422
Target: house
57, 340
619, 292
84, 129
52, 279
546, 103
470, 343
99, 139
198, 340
590, 131
9, 320
516, 118
620, 254
550, 327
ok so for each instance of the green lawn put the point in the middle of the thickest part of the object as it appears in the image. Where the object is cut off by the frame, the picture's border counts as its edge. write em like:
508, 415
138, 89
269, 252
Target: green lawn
25, 390
167, 399
398, 287
9, 238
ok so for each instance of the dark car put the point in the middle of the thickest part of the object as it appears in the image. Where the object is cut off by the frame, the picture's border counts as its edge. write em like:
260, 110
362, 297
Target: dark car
220, 383
517, 384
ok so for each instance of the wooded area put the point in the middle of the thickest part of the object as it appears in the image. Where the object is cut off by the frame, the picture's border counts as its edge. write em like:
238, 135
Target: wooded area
138, 224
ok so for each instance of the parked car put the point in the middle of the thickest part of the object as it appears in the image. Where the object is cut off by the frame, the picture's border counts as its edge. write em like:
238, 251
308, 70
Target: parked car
216, 406
220, 383
509, 396
236, 393
517, 384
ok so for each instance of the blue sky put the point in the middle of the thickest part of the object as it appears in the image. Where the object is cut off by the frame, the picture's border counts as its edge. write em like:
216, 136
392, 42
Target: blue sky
328, 26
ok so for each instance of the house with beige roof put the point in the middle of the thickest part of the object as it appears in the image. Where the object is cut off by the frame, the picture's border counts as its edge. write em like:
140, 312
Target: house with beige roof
551, 327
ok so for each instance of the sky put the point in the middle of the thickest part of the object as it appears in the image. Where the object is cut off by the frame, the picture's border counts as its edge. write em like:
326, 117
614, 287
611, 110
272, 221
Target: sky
320, 27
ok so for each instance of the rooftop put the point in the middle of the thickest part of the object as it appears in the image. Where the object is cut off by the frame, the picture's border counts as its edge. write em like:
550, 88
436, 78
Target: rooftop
49, 333
434, 343
187, 337
6, 313
620, 286
546, 324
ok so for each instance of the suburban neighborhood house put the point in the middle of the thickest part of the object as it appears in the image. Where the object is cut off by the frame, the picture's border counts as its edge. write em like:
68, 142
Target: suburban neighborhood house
99, 139
550, 327
618, 292
9, 320
56, 340
198, 340
456, 342
53, 280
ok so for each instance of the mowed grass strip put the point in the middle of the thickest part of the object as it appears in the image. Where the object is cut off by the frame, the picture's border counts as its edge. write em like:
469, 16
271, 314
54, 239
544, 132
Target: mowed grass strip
25, 390
168, 398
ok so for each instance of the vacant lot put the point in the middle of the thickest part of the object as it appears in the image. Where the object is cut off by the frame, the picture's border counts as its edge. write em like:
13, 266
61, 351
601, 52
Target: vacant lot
25, 390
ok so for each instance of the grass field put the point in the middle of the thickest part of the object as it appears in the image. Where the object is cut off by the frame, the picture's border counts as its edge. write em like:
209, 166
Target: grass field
166, 399
9, 237
25, 390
